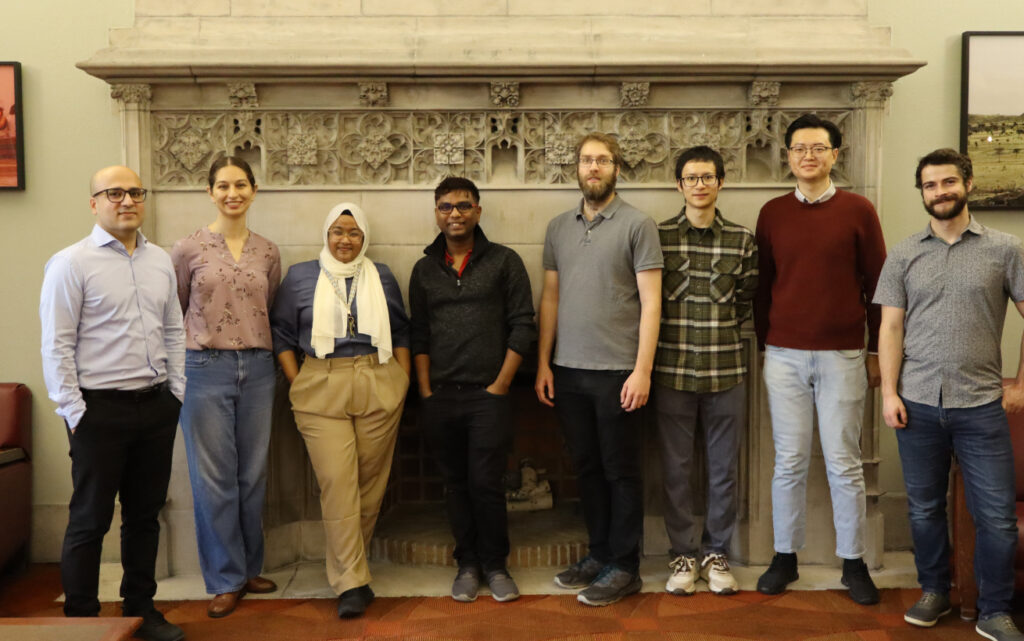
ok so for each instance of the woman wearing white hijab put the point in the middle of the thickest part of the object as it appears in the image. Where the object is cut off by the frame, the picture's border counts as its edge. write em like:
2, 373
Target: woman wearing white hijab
344, 314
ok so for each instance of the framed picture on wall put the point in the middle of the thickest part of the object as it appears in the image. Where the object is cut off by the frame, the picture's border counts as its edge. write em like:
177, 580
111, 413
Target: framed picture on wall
992, 116
12, 140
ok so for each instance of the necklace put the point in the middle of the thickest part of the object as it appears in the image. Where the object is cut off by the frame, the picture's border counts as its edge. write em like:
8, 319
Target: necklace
345, 301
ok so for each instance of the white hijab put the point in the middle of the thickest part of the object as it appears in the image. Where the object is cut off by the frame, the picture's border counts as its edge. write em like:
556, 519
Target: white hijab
330, 315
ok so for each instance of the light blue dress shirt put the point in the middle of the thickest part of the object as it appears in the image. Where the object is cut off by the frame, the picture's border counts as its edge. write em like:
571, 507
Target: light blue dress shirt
110, 320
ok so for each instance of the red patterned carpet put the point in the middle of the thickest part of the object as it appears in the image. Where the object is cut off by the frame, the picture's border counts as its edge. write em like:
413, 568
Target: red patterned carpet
795, 616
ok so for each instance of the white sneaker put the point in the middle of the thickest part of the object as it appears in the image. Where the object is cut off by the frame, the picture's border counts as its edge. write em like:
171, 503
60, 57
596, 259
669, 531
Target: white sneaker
684, 576
715, 570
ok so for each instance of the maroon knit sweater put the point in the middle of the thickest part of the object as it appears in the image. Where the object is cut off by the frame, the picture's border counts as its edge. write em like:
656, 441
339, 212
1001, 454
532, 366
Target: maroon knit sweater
818, 268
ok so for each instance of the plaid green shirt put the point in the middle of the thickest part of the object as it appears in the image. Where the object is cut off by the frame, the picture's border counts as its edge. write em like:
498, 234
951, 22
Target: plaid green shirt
707, 290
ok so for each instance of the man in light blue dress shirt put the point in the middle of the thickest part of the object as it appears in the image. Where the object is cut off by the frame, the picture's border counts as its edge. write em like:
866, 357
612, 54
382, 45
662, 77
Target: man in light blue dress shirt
113, 349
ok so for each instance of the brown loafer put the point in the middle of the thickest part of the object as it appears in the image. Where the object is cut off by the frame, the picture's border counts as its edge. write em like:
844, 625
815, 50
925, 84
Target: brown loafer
224, 604
259, 585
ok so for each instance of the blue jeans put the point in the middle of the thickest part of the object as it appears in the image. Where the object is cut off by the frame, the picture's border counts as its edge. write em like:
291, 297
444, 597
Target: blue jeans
226, 421
980, 438
835, 384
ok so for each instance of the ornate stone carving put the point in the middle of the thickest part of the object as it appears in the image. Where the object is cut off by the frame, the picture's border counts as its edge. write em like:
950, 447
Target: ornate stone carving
129, 94
634, 94
373, 94
302, 149
505, 93
868, 93
243, 95
189, 148
559, 149
764, 93
351, 148
449, 149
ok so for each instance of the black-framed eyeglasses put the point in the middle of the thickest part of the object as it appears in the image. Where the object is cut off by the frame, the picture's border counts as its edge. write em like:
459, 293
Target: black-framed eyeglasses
464, 207
817, 150
708, 179
116, 194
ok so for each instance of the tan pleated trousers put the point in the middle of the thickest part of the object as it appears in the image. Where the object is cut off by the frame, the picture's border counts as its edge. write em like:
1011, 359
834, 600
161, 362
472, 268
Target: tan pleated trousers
347, 410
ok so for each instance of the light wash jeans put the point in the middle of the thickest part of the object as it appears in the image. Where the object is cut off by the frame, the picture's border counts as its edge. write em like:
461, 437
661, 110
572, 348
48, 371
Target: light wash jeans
226, 417
835, 383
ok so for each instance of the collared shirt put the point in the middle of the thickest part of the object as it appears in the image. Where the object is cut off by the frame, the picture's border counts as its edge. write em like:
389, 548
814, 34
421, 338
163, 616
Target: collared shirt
598, 300
110, 320
708, 288
828, 193
955, 301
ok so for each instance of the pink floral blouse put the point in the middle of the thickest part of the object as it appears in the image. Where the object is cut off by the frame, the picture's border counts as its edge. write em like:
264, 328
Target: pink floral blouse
225, 302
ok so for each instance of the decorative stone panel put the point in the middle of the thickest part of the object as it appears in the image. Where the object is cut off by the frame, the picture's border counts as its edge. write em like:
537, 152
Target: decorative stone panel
352, 148
242, 95
505, 93
634, 94
764, 93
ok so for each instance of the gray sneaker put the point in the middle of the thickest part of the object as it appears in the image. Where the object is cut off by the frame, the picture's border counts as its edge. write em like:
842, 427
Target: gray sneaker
999, 627
502, 587
580, 574
466, 584
610, 586
926, 612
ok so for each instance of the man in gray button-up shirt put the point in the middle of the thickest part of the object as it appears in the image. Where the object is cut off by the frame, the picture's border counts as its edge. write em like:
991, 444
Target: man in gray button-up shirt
943, 294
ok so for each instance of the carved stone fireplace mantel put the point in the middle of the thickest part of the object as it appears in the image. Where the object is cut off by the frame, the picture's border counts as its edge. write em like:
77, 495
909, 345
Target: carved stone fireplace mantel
374, 101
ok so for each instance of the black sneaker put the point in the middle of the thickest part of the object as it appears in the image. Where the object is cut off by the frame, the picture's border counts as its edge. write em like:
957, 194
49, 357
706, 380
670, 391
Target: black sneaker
999, 627
926, 612
580, 574
156, 628
353, 602
855, 577
610, 586
779, 574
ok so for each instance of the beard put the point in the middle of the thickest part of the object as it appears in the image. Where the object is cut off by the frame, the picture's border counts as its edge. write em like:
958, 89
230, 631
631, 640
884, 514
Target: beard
959, 202
599, 192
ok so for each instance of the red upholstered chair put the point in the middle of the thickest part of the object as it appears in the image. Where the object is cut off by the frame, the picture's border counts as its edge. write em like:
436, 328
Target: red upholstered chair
15, 473
963, 528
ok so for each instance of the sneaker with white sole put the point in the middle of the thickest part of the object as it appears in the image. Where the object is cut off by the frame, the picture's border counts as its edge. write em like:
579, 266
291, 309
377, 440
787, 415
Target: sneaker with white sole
715, 570
999, 627
579, 574
683, 581
466, 584
501, 585
926, 612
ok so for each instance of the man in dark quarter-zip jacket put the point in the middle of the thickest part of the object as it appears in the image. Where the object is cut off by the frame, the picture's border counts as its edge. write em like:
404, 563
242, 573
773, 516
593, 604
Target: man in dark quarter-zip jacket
472, 323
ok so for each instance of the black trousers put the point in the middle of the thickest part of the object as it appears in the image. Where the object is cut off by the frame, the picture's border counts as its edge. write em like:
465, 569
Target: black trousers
604, 443
470, 433
122, 446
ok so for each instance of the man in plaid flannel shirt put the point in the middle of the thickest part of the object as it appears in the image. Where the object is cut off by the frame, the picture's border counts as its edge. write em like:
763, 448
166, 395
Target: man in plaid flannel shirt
707, 290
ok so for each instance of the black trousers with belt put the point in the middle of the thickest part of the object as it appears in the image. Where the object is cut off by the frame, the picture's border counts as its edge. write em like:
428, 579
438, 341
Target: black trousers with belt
122, 446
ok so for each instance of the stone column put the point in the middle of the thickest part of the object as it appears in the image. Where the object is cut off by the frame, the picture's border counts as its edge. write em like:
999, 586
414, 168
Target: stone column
133, 101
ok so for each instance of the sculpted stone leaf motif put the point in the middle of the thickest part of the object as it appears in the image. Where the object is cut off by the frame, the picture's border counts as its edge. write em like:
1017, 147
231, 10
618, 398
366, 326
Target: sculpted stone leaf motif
449, 149
559, 149
373, 94
131, 93
764, 93
634, 147
505, 93
302, 149
189, 148
634, 94
867, 92
375, 149
242, 95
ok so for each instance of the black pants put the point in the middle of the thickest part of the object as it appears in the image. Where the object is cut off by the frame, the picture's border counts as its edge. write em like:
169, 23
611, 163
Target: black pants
122, 446
470, 433
604, 443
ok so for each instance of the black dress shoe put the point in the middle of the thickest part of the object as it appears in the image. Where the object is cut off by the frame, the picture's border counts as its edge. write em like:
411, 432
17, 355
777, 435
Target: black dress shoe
353, 602
156, 628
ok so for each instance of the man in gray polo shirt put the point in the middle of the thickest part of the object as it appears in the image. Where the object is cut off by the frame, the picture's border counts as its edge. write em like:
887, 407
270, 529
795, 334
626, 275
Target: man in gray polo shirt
943, 294
602, 298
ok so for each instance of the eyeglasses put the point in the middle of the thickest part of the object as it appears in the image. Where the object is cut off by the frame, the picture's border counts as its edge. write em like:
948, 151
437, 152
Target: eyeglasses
463, 206
708, 179
116, 194
338, 232
817, 150
603, 162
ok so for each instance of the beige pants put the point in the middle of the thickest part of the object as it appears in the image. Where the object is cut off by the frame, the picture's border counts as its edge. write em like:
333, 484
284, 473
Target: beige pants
347, 410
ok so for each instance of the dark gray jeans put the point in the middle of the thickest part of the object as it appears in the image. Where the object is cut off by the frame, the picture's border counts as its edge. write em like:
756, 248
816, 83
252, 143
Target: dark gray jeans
721, 415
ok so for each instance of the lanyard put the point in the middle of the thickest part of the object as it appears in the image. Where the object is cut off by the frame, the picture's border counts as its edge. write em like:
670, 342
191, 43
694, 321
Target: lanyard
347, 302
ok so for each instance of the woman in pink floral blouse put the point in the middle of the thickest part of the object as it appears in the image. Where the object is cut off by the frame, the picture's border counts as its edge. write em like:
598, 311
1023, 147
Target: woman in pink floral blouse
227, 277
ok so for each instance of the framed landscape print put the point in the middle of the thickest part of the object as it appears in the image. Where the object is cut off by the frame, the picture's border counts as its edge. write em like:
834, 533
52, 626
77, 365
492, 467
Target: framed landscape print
12, 141
992, 116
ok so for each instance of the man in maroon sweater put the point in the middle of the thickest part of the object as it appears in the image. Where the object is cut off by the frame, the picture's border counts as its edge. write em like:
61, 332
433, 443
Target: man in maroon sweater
820, 254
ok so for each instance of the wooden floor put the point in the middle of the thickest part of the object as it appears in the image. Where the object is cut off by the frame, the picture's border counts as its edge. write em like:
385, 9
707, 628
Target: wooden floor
794, 616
